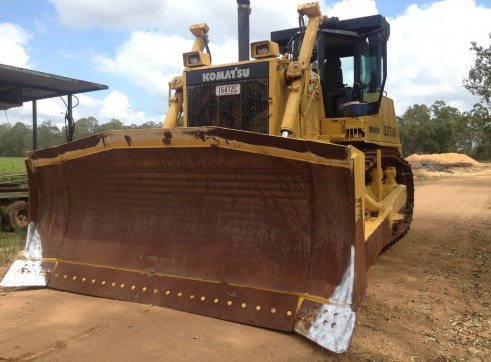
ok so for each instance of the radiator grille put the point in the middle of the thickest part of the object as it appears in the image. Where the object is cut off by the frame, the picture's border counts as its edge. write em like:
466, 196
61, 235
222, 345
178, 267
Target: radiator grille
246, 111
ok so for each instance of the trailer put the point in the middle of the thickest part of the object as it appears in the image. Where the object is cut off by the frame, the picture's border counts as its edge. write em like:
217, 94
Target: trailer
14, 201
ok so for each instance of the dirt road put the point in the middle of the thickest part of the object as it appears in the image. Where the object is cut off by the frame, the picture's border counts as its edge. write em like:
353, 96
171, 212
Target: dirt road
428, 298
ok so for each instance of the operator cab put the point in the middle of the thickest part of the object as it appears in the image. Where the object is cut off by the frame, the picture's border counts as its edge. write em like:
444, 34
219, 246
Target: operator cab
351, 58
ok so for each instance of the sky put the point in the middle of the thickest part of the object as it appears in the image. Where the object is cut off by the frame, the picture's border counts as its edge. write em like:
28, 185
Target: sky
135, 47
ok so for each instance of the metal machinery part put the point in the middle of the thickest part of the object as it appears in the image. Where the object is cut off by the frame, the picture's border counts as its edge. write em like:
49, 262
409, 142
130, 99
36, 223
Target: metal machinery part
13, 202
266, 207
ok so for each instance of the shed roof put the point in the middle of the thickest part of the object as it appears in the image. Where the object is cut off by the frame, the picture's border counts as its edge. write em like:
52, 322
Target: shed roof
19, 85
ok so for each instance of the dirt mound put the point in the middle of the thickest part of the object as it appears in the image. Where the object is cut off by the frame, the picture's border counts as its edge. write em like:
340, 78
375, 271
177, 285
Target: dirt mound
442, 159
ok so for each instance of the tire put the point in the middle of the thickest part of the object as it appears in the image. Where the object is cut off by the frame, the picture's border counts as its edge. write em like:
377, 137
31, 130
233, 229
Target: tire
16, 215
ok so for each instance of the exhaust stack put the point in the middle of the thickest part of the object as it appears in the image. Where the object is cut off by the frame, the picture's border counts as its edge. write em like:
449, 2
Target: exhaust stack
244, 10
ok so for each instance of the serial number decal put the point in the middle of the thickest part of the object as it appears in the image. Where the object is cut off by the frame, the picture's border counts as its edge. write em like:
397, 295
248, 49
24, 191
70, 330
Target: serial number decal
228, 89
390, 131
374, 129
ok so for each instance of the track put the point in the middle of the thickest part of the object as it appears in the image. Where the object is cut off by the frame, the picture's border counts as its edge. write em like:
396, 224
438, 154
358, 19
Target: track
391, 158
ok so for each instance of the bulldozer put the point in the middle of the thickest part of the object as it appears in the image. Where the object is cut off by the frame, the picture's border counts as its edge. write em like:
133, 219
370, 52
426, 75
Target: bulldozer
273, 185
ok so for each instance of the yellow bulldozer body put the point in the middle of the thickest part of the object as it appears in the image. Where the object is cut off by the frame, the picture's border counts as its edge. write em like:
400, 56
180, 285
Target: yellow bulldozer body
263, 199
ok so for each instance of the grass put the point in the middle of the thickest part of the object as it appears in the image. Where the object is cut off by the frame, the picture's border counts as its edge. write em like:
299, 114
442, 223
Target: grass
10, 245
11, 169
12, 166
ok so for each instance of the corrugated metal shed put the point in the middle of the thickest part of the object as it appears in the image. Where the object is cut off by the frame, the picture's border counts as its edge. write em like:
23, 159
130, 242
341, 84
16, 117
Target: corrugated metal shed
18, 85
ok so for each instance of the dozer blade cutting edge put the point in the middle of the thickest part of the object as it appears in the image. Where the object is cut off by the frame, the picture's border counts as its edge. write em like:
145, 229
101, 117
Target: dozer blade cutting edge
252, 228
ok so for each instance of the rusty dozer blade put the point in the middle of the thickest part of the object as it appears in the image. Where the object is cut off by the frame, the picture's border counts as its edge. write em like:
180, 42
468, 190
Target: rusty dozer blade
240, 226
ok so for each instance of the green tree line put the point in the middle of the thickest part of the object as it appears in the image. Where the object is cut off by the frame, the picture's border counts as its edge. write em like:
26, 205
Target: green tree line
440, 128
16, 140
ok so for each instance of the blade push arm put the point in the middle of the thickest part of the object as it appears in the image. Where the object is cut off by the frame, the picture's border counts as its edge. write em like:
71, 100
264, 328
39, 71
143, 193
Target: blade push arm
297, 68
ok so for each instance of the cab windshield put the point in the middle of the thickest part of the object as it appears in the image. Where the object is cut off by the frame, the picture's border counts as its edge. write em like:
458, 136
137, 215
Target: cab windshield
352, 69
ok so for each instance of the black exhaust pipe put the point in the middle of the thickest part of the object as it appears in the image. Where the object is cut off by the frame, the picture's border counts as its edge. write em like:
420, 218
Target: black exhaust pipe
244, 10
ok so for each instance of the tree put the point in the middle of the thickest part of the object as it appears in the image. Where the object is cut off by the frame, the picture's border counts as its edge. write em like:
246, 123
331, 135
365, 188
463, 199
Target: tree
151, 124
4, 131
447, 127
435, 129
15, 141
480, 129
85, 127
479, 81
49, 135
148, 124
113, 124
413, 124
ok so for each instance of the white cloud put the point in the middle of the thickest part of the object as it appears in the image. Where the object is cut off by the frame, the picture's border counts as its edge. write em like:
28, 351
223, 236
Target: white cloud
51, 109
151, 59
429, 47
148, 59
13, 41
116, 105
429, 52
347, 9
176, 16
123, 14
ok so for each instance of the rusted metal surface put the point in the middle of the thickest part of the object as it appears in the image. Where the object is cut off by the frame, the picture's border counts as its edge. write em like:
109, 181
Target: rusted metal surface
221, 300
223, 223
377, 242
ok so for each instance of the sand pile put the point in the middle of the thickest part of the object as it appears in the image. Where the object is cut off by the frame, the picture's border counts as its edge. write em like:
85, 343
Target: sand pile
442, 159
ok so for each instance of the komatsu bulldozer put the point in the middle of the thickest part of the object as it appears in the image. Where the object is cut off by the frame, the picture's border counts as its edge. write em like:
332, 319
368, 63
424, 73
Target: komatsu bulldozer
272, 187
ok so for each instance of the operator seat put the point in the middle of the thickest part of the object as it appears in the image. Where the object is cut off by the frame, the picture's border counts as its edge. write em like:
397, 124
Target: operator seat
333, 79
